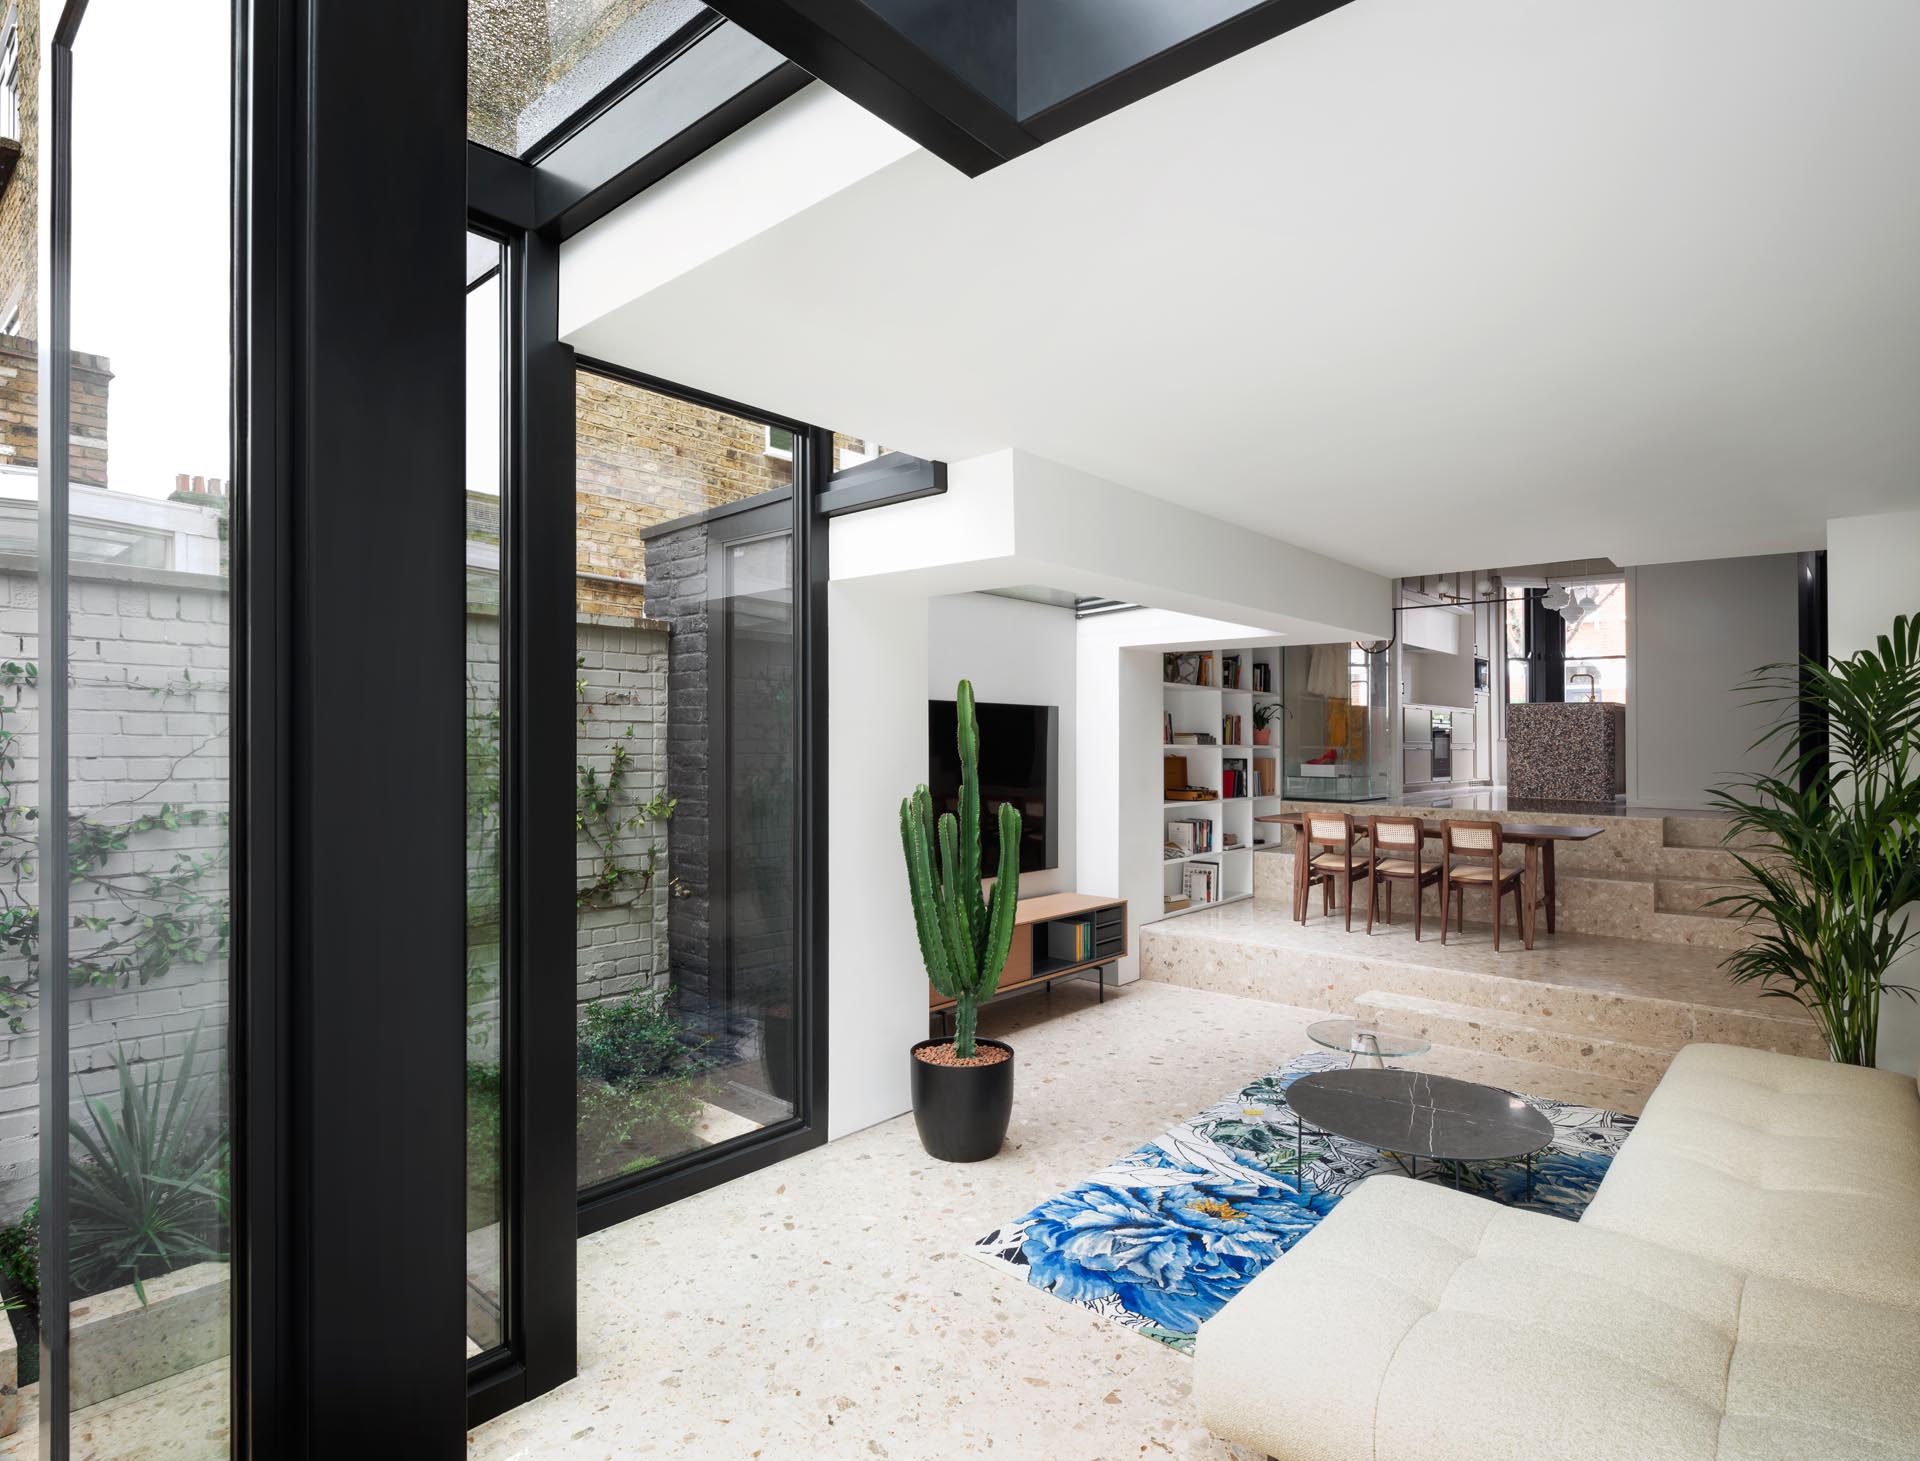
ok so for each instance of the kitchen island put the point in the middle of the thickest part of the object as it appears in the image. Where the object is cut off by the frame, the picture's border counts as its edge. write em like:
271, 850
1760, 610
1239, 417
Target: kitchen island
1567, 751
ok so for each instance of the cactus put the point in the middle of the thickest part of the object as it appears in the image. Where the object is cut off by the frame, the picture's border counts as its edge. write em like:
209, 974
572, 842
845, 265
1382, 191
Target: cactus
964, 938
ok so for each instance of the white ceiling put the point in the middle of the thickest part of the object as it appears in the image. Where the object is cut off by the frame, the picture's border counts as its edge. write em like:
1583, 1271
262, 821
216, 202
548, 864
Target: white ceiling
1420, 286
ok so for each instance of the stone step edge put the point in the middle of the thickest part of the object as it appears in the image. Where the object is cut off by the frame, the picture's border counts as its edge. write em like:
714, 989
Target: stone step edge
1519, 1021
1479, 976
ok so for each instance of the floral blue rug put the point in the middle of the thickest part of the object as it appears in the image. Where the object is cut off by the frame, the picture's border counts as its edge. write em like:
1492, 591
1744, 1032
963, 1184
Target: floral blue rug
1162, 1238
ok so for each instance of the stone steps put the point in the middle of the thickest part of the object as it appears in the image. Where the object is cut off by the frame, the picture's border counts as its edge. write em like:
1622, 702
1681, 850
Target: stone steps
1464, 982
1691, 895
1516, 1035
1703, 831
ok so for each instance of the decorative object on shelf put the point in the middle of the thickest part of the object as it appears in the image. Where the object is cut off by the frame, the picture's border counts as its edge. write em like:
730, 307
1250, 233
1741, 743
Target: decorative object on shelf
1192, 668
962, 1094
1264, 715
1829, 838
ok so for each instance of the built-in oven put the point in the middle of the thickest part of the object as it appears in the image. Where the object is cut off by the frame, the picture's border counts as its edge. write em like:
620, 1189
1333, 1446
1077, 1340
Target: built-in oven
1442, 746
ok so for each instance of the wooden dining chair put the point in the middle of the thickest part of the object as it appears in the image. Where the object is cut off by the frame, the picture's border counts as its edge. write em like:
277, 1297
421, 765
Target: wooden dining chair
1395, 845
1462, 844
1341, 863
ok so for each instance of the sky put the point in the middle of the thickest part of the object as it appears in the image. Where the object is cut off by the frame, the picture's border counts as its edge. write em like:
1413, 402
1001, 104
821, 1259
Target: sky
151, 233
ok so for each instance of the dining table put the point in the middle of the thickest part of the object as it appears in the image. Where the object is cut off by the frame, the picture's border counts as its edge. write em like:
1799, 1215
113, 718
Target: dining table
1538, 838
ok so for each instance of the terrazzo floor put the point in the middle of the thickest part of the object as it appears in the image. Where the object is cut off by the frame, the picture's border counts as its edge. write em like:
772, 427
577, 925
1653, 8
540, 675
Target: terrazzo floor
826, 1307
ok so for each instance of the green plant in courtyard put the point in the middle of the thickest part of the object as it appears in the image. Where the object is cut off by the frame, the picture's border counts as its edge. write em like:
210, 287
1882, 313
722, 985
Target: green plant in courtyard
20, 1257
146, 1187
964, 936
1830, 844
638, 1095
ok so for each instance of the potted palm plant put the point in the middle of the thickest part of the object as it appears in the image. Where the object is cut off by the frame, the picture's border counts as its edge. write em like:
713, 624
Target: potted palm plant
963, 1087
1264, 715
1829, 838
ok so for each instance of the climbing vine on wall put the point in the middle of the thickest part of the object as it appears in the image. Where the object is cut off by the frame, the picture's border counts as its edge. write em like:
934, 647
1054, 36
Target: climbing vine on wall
606, 810
133, 922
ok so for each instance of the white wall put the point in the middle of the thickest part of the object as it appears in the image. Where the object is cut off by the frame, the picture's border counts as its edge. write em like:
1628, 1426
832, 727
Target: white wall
876, 754
1009, 519
1873, 576
1022, 654
1695, 631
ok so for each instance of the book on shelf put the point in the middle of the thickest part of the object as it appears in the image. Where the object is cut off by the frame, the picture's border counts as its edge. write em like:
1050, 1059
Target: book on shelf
1201, 882
1230, 672
1231, 730
1070, 941
1233, 779
1193, 738
1174, 902
1190, 835
1166, 735
1263, 679
1263, 776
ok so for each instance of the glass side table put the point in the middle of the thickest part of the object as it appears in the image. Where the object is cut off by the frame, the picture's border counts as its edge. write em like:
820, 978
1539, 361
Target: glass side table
1364, 1044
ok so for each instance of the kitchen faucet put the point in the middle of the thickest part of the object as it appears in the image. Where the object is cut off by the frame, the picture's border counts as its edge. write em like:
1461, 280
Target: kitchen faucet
1593, 687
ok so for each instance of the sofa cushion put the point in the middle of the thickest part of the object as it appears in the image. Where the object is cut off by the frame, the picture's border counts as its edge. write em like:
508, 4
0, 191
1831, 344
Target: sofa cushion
1778, 1165
1416, 1321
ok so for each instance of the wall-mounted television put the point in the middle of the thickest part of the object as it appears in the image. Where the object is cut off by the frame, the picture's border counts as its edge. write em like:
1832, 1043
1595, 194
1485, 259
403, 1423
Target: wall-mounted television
1019, 763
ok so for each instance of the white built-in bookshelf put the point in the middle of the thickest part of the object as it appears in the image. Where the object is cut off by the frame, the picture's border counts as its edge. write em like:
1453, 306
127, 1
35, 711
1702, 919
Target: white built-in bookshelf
1208, 845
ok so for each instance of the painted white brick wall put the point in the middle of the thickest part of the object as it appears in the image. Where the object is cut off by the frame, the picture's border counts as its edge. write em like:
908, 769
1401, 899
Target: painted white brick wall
148, 726
624, 667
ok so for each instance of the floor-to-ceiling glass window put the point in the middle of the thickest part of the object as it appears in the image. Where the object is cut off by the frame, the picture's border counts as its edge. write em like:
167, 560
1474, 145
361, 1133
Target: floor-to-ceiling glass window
135, 741
688, 734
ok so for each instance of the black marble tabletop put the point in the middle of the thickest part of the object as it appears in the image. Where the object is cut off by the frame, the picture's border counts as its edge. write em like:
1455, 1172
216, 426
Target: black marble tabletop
1420, 1115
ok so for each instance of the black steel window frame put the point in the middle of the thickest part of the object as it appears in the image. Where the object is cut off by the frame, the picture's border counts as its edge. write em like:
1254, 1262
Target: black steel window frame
537, 1351
1546, 650
349, 931
697, 88
55, 412
606, 1203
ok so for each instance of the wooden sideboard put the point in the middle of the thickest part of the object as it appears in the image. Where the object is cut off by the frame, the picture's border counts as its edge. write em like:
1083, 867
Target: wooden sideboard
1029, 964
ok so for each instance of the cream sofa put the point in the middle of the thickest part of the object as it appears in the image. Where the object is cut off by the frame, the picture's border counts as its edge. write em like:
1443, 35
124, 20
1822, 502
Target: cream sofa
1744, 1286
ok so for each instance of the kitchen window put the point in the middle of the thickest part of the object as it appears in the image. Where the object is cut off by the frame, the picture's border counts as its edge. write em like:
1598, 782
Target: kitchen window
1596, 659
10, 74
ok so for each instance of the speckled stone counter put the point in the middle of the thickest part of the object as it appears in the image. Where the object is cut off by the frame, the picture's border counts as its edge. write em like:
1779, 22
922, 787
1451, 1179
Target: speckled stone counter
1568, 752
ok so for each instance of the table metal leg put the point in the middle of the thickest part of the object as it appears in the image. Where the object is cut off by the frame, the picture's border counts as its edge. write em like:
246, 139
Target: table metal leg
1529, 1176
1547, 853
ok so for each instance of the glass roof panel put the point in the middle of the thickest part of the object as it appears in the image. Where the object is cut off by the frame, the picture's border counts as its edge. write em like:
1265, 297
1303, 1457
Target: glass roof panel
532, 64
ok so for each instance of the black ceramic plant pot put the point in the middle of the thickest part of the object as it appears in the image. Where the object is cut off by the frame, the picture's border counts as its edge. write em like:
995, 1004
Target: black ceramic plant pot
962, 1111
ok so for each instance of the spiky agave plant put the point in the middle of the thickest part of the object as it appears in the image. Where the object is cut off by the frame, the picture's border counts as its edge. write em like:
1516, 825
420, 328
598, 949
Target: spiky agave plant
1829, 838
964, 936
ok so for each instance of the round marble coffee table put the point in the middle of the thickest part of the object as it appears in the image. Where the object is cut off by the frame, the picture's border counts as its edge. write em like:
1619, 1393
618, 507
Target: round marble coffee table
1409, 1114
1362, 1041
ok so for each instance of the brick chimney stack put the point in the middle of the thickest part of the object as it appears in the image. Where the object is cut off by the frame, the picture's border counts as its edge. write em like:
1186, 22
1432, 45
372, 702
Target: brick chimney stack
201, 491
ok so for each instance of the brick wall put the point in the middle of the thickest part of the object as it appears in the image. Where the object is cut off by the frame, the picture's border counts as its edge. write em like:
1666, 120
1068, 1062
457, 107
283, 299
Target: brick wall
148, 725
623, 667
19, 201
643, 459
20, 410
